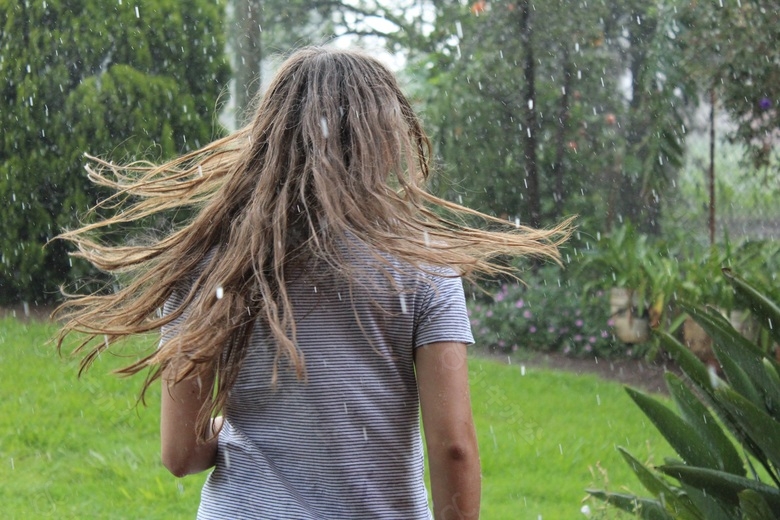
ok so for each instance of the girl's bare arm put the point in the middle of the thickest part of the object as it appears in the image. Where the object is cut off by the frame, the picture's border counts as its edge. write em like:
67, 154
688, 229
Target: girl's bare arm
453, 455
181, 402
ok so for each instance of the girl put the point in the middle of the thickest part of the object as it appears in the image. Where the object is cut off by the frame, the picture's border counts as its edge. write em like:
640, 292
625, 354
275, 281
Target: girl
312, 307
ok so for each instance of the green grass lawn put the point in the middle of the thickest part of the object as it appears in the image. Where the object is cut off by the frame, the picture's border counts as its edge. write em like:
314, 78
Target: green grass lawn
74, 448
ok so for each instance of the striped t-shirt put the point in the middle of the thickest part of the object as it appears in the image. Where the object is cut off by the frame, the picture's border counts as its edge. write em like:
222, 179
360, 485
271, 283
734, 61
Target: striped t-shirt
345, 443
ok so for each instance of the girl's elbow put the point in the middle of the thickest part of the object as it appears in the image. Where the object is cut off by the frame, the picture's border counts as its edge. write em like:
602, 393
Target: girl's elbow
177, 466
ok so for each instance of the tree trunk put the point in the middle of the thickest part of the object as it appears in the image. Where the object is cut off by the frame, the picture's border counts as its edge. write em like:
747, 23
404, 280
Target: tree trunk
560, 145
248, 16
712, 168
529, 111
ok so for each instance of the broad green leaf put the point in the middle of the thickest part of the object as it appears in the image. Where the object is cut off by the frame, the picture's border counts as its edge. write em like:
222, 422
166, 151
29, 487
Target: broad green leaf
759, 426
690, 364
681, 436
739, 380
676, 501
708, 505
730, 344
762, 306
723, 485
645, 508
754, 507
702, 420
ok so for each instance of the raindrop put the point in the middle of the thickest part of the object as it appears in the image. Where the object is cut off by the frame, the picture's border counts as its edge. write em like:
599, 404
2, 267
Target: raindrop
579, 74
200, 171
324, 127
402, 301
220, 292
365, 434
530, 104
426, 238
517, 221
522, 370
598, 399
137, 14
459, 29
576, 47
28, 68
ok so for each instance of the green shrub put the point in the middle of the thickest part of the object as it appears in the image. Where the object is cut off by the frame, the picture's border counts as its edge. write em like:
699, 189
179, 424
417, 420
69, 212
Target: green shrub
549, 313
713, 480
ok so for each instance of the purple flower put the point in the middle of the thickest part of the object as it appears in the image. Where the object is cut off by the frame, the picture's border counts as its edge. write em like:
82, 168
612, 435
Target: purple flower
500, 297
532, 329
765, 103
527, 314
519, 304
489, 313
592, 339
611, 322
604, 334
514, 348
588, 348
550, 329
579, 323
577, 337
475, 323
501, 343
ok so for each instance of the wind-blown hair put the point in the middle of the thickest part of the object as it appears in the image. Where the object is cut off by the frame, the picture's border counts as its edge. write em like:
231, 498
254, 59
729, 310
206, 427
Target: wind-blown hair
334, 156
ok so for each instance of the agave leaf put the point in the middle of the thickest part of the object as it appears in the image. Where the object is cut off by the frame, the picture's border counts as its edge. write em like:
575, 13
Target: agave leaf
729, 344
764, 308
645, 508
709, 506
754, 507
690, 364
759, 426
700, 418
724, 486
676, 501
739, 380
685, 440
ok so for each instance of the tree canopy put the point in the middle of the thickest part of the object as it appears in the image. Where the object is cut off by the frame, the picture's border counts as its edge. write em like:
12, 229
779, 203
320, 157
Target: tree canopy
131, 80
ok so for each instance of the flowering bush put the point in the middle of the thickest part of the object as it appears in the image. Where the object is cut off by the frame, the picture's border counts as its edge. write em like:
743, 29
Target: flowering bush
547, 314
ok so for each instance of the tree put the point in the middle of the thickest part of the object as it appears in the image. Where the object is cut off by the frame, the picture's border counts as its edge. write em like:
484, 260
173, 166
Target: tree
143, 80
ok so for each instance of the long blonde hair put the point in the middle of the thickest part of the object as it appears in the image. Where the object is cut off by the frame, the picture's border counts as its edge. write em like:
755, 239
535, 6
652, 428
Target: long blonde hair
334, 150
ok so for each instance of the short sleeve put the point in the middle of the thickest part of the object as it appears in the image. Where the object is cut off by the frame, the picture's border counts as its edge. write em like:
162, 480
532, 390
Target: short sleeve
173, 302
443, 315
